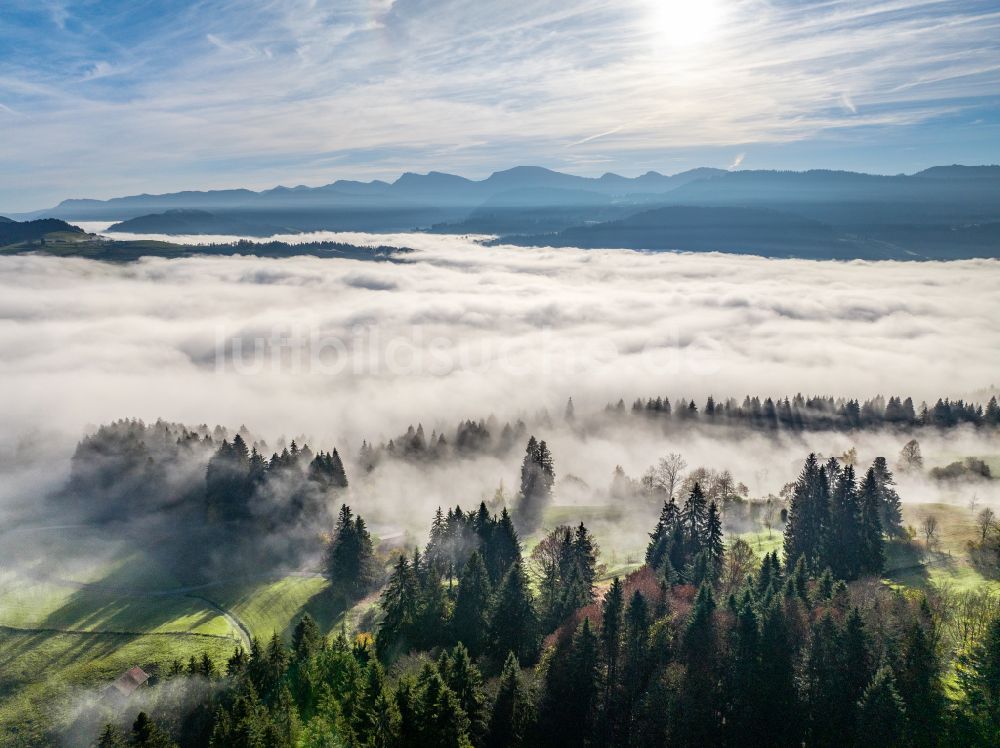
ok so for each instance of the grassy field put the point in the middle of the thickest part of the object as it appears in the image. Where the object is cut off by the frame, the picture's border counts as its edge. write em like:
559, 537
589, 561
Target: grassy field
946, 563
66, 628
43, 675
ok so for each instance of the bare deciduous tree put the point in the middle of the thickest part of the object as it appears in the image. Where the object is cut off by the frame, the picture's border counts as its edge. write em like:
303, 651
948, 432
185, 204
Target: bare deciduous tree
930, 527
986, 520
668, 473
770, 506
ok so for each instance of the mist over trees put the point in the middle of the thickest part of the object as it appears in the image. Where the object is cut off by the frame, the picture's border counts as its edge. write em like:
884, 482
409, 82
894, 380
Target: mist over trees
704, 644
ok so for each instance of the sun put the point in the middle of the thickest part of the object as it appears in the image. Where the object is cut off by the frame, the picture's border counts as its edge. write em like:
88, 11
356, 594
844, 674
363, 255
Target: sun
685, 23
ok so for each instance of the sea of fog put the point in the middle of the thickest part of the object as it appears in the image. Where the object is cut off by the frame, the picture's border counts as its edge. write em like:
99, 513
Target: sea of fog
335, 351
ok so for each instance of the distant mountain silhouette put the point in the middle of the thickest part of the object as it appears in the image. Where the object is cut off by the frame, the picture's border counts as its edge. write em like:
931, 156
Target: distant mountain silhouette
191, 221
944, 211
411, 191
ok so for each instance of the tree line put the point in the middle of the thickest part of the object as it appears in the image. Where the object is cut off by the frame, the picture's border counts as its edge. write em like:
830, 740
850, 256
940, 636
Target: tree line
705, 644
800, 413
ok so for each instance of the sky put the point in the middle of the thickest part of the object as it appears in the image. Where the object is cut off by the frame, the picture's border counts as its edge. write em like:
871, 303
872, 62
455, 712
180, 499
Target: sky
100, 98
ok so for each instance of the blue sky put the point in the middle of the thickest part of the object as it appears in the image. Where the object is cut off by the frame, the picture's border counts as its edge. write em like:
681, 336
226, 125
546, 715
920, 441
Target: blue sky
103, 98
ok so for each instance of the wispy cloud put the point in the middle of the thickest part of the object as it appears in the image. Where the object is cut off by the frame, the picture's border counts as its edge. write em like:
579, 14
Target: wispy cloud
254, 93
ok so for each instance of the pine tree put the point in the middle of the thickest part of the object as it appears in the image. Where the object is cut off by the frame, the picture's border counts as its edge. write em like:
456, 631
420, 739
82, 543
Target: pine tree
472, 605
856, 657
699, 652
842, 543
376, 715
512, 713
779, 707
440, 718
881, 714
513, 623
890, 506
920, 686
808, 514
399, 606
585, 557
502, 549
612, 623
306, 638
111, 737
656, 549
872, 555
350, 560
828, 713
464, 678
694, 518
537, 478
713, 539
147, 734
979, 675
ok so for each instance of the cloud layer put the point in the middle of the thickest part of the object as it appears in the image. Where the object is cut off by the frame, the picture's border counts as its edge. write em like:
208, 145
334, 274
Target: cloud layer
350, 350
354, 349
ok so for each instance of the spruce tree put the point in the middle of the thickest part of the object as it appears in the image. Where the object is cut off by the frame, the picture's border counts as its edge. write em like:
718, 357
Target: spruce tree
502, 549
807, 511
890, 506
872, 555
350, 559
656, 549
881, 713
612, 623
513, 623
399, 611
537, 478
464, 678
513, 712
920, 686
713, 539
472, 605
694, 518
375, 714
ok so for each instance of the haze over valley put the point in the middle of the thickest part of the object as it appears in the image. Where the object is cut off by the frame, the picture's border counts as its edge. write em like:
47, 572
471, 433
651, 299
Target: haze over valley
483, 375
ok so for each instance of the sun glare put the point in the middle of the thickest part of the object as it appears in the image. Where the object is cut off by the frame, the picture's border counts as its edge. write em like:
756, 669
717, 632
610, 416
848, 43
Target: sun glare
685, 23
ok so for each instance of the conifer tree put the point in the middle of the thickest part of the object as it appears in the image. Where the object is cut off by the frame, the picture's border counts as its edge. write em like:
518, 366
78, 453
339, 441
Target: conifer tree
920, 686
399, 607
502, 549
881, 713
350, 560
808, 513
612, 624
537, 478
148, 734
306, 638
890, 506
656, 549
513, 711
842, 542
472, 605
376, 715
465, 680
694, 518
514, 623
713, 538
872, 555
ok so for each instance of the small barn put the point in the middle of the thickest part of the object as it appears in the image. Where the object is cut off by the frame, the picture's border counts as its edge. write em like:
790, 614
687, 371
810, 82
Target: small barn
126, 684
